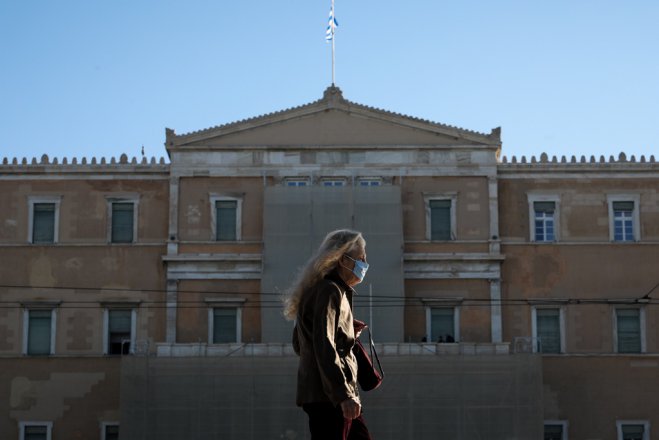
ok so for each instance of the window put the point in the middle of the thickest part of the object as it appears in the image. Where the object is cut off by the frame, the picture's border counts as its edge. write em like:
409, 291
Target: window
442, 324
548, 329
544, 220
543, 215
370, 181
624, 217
633, 429
109, 431
43, 219
39, 332
334, 182
297, 182
119, 329
123, 219
629, 336
35, 430
555, 430
224, 325
226, 218
623, 221
440, 217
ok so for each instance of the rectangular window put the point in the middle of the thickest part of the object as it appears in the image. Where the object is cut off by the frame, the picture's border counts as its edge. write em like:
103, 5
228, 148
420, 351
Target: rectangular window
35, 430
297, 182
370, 182
548, 330
43, 215
623, 221
109, 431
43, 223
225, 325
334, 182
628, 329
544, 220
123, 217
633, 429
440, 219
553, 432
632, 432
226, 220
119, 331
442, 324
40, 330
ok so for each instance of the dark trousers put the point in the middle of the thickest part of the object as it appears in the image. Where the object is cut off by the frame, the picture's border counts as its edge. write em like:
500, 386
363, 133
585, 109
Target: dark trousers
326, 422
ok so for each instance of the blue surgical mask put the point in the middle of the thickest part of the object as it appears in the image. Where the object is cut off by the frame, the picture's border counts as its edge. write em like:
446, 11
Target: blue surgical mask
360, 268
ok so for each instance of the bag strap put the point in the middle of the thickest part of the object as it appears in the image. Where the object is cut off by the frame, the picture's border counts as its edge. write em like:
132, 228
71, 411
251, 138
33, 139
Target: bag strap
374, 352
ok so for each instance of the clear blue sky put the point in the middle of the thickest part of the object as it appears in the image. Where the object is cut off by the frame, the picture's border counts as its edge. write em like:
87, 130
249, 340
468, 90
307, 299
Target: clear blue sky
98, 78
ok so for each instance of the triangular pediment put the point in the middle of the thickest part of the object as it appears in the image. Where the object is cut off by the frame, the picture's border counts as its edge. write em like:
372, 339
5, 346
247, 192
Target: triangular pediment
331, 121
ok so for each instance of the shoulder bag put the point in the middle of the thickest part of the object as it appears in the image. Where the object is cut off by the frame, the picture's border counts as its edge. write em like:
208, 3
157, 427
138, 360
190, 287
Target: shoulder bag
368, 376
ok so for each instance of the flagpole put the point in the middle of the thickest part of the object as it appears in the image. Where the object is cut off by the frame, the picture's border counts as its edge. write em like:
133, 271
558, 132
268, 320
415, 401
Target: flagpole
333, 38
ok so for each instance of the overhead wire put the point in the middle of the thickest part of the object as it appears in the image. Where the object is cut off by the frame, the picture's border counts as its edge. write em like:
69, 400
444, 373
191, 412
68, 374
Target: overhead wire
378, 301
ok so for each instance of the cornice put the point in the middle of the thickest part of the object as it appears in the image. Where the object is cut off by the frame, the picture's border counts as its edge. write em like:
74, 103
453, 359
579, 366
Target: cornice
332, 100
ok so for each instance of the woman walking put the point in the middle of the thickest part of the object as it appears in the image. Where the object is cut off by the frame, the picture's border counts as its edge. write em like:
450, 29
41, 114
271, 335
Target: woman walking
321, 303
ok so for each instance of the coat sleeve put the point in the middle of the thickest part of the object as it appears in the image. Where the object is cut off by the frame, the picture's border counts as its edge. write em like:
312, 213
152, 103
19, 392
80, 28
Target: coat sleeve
296, 341
326, 320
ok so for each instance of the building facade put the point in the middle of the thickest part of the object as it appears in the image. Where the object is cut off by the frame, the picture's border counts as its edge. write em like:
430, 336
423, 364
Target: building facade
508, 298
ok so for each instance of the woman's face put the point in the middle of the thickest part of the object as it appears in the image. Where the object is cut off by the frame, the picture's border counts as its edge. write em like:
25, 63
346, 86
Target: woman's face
347, 264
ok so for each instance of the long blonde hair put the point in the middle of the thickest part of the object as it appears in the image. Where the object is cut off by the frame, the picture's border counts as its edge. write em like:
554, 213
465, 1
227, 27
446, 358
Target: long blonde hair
325, 259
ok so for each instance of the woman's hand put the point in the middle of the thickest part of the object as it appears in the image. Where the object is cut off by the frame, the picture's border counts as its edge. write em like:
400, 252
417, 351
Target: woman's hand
351, 409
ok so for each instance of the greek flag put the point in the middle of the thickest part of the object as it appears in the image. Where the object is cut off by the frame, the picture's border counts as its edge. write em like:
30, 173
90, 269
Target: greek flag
331, 26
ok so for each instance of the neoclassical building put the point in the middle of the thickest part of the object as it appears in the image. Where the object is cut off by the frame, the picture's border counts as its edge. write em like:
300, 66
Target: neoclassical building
508, 298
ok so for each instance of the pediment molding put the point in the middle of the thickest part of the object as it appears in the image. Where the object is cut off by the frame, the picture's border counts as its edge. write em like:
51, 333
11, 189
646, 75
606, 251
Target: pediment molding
332, 103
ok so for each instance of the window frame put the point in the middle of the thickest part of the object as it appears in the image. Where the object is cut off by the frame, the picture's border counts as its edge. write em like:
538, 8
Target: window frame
225, 303
36, 199
104, 425
534, 197
645, 423
636, 218
213, 198
128, 198
23, 424
456, 319
453, 197
564, 423
106, 327
367, 182
561, 327
297, 182
342, 182
26, 328
641, 323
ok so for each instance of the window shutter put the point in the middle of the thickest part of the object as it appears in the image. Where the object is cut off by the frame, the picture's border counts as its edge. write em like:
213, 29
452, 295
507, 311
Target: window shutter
224, 325
119, 331
111, 432
549, 207
629, 330
43, 223
632, 432
442, 324
553, 432
39, 327
122, 222
36, 433
440, 219
225, 219
549, 330
623, 206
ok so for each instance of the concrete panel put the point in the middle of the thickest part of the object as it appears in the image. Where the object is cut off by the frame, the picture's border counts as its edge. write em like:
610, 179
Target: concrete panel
456, 397
295, 222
